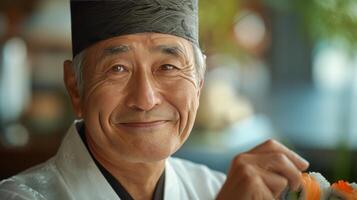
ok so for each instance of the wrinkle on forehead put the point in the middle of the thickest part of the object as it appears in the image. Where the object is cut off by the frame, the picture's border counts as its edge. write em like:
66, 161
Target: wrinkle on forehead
142, 39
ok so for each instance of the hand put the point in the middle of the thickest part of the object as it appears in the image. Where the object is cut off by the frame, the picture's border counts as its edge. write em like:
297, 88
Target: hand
263, 173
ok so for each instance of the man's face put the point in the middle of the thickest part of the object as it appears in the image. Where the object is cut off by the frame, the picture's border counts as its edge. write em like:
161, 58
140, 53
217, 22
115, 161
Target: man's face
140, 96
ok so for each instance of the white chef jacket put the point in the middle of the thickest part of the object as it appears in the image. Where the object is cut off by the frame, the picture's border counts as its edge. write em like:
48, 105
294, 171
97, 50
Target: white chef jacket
72, 174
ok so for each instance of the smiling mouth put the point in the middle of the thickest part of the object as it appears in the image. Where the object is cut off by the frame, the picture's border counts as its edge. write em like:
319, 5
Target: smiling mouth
151, 124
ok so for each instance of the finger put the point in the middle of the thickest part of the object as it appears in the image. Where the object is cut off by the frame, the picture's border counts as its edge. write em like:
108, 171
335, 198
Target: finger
255, 188
247, 179
271, 146
274, 182
264, 192
282, 165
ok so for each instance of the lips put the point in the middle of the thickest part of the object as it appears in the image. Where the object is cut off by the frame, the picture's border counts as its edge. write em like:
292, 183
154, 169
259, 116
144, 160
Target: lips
144, 124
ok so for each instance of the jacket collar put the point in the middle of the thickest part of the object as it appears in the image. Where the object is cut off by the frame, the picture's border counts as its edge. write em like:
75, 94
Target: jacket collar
172, 184
84, 179
79, 172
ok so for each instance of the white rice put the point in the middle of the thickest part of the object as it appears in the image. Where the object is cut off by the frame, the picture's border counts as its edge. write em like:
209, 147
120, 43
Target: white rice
324, 184
353, 185
321, 179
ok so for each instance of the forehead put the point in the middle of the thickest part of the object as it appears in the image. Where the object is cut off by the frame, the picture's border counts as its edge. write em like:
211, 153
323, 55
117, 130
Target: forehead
142, 40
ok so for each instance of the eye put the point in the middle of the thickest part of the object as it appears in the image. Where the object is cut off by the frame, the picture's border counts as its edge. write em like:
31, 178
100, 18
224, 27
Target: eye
168, 67
118, 68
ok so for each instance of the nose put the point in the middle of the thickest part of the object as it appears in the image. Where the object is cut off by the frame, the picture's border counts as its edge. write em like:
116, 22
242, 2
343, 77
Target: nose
143, 94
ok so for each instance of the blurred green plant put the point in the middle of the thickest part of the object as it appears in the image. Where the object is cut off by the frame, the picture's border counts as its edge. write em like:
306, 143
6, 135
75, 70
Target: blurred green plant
343, 163
216, 22
324, 19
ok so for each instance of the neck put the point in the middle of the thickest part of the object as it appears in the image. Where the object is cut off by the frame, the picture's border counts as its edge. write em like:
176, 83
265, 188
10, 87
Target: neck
139, 179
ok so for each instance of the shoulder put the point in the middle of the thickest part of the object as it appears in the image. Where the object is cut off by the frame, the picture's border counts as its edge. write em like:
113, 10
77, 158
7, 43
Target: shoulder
37, 183
12, 189
193, 175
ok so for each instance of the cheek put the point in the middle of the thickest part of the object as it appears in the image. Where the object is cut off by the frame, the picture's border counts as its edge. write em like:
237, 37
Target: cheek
99, 97
103, 92
182, 90
99, 102
183, 96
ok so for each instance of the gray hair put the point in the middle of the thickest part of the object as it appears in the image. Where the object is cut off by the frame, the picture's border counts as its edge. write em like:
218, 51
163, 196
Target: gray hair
200, 64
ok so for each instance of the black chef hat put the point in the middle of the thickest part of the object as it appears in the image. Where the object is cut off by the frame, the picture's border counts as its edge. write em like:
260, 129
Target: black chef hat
93, 21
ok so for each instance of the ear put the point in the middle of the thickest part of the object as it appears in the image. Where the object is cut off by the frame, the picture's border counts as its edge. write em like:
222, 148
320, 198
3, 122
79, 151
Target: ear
200, 87
71, 86
202, 81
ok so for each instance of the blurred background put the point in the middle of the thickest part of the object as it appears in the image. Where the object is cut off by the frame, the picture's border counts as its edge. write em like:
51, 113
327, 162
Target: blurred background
283, 69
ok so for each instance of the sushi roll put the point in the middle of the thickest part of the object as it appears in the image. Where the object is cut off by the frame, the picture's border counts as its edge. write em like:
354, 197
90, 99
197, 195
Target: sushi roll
342, 190
313, 187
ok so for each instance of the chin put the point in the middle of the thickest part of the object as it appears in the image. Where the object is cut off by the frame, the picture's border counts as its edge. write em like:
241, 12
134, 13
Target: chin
154, 153
147, 157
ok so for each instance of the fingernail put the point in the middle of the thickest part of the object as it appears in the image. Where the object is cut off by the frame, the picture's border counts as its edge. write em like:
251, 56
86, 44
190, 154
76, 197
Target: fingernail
305, 162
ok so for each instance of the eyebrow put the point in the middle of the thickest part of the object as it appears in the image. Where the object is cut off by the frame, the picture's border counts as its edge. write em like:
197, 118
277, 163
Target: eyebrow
173, 50
115, 50
170, 50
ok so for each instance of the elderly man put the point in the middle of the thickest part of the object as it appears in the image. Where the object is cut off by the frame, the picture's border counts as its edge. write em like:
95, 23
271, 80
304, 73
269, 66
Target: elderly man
135, 83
